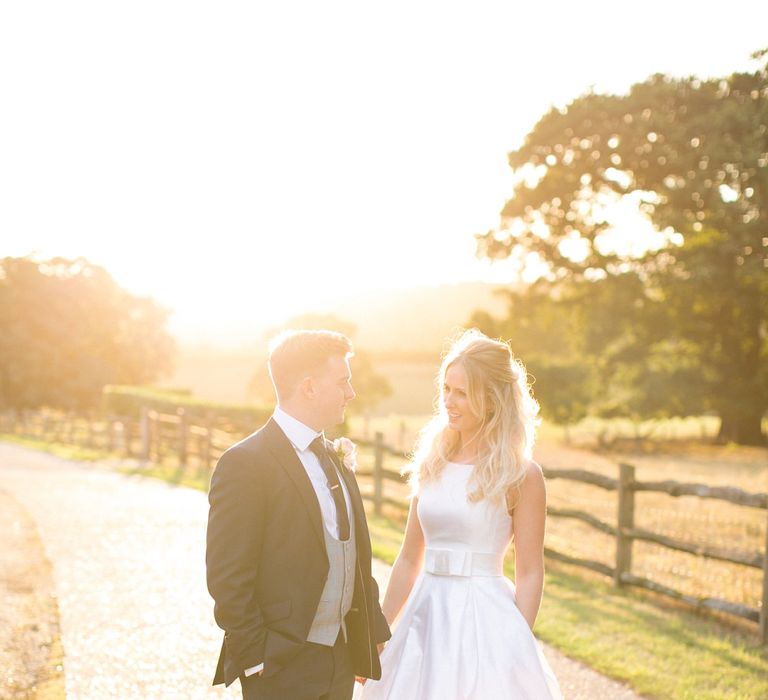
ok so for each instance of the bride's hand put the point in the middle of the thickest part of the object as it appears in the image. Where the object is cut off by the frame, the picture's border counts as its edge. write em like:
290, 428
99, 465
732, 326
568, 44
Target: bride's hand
380, 647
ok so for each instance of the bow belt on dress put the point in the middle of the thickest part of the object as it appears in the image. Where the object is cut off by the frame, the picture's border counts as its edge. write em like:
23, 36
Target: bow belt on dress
455, 562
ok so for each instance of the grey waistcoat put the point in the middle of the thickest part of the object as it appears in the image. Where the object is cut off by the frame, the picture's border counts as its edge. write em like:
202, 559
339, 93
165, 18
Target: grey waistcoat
336, 599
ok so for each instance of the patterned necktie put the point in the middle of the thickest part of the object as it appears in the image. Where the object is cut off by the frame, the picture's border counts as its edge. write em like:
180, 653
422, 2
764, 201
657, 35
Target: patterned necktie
332, 475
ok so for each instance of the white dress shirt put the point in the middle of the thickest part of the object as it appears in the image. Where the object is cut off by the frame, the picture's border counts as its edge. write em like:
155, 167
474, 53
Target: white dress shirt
301, 437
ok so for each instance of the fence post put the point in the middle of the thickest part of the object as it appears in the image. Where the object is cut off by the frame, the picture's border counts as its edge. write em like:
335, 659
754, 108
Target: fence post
54, 422
88, 438
79, 435
764, 608
57, 431
205, 453
626, 521
129, 426
183, 435
121, 436
378, 468
70, 423
110, 433
144, 433
154, 437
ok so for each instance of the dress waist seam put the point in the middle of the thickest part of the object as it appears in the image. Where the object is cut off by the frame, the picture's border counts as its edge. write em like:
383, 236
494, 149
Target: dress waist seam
465, 563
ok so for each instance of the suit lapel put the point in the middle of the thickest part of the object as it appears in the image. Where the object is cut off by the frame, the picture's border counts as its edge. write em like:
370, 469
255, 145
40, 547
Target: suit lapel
286, 457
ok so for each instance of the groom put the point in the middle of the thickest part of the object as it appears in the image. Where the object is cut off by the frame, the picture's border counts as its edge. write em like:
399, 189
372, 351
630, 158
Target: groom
288, 552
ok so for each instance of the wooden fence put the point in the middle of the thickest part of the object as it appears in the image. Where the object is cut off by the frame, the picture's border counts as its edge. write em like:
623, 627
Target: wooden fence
626, 533
155, 436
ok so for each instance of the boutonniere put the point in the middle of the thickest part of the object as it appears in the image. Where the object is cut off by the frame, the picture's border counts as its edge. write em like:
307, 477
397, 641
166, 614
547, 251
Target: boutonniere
347, 452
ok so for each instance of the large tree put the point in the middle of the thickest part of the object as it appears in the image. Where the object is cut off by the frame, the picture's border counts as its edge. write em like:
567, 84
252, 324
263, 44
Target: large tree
545, 332
691, 156
68, 330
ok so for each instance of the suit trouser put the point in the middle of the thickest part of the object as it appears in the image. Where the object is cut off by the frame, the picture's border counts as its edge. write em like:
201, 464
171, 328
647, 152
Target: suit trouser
317, 672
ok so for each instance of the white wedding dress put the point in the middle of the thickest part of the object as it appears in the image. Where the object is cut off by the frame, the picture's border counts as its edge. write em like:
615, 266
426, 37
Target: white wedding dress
460, 636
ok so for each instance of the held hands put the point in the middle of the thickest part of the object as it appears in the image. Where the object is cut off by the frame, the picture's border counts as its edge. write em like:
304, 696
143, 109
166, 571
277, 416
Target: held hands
360, 679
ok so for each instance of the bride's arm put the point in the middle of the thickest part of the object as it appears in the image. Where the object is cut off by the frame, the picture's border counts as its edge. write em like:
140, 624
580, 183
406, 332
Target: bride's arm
406, 567
528, 520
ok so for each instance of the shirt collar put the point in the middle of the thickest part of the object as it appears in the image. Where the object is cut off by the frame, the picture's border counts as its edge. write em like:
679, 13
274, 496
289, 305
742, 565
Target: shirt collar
298, 433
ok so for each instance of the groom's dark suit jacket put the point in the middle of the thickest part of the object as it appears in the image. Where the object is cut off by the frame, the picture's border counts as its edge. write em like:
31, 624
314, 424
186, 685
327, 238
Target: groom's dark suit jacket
267, 564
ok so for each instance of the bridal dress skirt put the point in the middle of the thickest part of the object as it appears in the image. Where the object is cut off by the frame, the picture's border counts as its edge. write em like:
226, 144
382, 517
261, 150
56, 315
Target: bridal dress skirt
462, 637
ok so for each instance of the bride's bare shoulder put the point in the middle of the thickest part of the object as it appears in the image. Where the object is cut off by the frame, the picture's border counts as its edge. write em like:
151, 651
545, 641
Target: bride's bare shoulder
533, 479
529, 488
533, 467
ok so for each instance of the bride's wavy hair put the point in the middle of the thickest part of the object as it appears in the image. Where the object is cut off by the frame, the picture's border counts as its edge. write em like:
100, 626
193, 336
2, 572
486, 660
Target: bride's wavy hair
500, 396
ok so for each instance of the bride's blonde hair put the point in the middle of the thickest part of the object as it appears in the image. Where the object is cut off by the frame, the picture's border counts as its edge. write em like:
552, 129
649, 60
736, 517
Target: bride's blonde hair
500, 396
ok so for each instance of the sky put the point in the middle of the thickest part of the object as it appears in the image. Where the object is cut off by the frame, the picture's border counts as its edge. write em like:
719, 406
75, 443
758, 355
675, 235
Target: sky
244, 161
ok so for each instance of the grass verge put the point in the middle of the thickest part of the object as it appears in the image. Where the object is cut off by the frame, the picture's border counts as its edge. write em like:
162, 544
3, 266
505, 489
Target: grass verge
80, 454
31, 654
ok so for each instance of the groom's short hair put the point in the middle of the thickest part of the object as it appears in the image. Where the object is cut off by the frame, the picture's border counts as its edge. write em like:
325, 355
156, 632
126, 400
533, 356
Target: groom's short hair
295, 354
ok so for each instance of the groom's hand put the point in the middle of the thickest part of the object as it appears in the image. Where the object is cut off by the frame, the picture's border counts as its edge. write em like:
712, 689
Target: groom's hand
361, 679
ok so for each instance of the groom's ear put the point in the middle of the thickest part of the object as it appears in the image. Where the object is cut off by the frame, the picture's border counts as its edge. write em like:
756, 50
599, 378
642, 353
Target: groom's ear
307, 387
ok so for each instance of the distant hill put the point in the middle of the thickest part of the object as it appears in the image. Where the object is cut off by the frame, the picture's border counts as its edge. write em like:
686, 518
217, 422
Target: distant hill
215, 374
405, 331
417, 321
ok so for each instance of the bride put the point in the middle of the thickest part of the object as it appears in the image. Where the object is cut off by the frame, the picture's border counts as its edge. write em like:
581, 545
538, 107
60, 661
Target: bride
462, 630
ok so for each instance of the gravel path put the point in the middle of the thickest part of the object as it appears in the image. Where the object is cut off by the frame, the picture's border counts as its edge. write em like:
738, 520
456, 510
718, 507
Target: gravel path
128, 566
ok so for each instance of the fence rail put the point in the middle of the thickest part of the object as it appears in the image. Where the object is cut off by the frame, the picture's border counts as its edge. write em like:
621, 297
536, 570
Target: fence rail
155, 436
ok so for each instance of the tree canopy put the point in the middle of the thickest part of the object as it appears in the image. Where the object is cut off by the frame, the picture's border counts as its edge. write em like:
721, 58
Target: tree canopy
676, 299
69, 330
